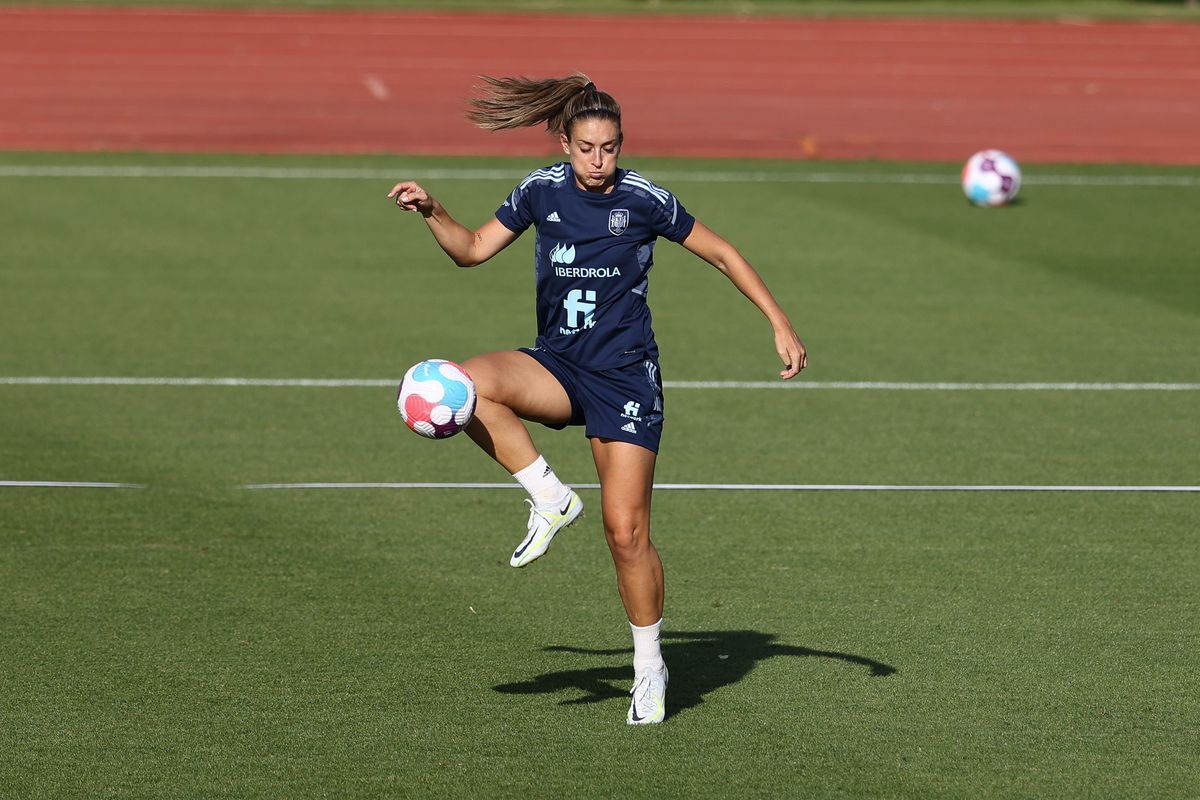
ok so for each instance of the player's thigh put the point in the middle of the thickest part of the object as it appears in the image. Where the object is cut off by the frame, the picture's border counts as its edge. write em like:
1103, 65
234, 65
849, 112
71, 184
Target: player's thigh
516, 380
626, 473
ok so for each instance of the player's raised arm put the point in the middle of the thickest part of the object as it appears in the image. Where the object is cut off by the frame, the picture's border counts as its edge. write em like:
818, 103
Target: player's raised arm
721, 254
465, 247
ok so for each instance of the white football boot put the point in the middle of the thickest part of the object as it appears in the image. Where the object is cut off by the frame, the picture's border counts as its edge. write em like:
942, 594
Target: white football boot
544, 522
649, 704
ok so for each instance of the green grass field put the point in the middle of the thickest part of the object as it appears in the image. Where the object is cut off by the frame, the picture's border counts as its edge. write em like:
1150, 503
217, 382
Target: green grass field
199, 639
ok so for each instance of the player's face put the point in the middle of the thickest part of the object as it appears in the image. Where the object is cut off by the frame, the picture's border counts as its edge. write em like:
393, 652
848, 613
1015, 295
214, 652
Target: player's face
593, 146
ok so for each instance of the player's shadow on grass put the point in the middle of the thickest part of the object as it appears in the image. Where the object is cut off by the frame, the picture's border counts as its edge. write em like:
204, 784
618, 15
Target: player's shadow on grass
700, 662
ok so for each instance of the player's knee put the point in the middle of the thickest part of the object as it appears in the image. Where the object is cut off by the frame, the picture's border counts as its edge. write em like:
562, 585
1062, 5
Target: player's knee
628, 540
487, 378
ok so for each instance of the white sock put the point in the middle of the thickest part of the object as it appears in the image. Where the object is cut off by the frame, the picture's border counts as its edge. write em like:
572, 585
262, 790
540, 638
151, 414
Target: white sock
646, 652
543, 485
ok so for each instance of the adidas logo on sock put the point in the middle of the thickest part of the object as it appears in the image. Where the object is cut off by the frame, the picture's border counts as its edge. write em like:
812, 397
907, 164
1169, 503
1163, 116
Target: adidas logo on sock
553, 217
629, 427
547, 472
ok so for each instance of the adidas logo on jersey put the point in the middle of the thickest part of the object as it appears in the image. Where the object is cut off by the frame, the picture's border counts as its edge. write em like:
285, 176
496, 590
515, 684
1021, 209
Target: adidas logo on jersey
629, 427
553, 217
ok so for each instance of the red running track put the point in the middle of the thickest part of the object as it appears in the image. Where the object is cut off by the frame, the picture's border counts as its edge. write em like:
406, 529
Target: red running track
310, 82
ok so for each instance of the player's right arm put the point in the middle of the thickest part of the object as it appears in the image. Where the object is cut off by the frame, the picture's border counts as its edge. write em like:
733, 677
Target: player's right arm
465, 247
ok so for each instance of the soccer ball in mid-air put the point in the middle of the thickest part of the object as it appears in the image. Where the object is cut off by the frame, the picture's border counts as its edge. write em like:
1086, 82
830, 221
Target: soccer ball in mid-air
436, 398
991, 178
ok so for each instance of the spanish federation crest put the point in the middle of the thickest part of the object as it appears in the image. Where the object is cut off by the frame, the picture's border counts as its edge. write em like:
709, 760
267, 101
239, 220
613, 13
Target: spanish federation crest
618, 221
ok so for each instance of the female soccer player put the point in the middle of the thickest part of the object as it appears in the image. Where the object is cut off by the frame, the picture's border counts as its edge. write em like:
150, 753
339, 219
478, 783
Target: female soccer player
595, 361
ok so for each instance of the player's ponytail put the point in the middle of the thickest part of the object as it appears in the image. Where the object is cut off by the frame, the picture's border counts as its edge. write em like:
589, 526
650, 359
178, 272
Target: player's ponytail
558, 102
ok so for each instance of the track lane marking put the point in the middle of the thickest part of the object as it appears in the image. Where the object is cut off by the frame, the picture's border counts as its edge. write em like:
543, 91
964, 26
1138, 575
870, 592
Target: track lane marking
376, 87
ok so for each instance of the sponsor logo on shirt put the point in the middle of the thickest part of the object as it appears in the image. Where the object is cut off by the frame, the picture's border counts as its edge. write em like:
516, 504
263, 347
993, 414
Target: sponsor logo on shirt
587, 272
579, 305
553, 217
565, 254
562, 254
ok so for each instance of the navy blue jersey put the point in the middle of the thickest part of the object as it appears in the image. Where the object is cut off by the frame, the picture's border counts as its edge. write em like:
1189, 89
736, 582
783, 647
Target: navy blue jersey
592, 256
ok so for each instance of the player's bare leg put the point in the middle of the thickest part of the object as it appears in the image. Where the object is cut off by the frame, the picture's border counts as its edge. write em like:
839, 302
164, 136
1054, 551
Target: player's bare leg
626, 480
626, 474
511, 386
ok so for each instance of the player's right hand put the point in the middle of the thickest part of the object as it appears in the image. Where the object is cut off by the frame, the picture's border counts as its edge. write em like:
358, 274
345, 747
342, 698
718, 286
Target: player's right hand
411, 197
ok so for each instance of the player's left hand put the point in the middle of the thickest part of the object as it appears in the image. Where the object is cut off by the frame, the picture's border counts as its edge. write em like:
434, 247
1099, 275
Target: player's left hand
791, 353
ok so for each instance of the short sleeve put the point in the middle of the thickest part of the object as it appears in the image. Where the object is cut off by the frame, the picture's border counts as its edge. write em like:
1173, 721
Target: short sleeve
674, 222
668, 218
516, 213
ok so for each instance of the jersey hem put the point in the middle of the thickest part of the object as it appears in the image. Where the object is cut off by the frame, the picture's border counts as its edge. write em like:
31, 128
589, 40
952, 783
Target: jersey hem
640, 355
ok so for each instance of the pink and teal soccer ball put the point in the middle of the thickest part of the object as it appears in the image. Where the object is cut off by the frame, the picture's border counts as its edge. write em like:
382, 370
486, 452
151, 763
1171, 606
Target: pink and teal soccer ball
436, 398
991, 178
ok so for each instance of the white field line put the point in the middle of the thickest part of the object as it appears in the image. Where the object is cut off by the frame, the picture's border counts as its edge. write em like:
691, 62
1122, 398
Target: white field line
69, 485
938, 386
513, 175
759, 487
41, 380
935, 386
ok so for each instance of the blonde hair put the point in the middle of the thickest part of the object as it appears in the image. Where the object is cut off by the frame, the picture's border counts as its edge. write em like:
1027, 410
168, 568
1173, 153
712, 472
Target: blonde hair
559, 102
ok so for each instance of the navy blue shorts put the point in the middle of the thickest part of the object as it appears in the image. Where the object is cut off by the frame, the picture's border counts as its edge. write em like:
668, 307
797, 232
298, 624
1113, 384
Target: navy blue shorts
625, 403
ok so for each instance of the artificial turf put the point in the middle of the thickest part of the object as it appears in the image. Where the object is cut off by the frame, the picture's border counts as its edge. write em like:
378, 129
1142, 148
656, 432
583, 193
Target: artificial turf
198, 638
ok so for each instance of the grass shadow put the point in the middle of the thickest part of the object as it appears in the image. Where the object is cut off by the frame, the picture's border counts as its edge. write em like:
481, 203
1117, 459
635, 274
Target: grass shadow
701, 662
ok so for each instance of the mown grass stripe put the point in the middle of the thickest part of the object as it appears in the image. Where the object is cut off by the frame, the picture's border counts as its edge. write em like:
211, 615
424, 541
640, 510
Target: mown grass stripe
754, 487
339, 383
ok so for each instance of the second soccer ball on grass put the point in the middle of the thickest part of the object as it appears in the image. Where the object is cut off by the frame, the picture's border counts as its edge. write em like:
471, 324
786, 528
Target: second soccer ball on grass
991, 178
